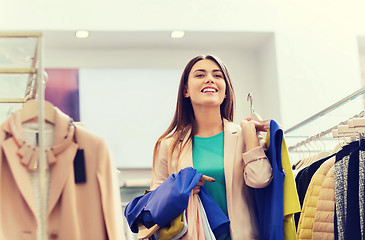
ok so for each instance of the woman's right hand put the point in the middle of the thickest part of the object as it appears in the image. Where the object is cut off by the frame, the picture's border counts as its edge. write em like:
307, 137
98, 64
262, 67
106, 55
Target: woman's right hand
204, 178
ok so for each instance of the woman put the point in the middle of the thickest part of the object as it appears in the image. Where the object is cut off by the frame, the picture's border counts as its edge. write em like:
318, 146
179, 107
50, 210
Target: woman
202, 135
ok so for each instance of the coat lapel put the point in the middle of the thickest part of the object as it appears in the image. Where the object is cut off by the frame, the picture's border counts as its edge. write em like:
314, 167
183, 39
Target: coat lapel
62, 169
60, 172
19, 172
230, 142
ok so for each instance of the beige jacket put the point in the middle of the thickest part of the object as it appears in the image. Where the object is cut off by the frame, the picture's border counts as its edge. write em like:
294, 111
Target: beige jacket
310, 204
323, 227
239, 178
75, 211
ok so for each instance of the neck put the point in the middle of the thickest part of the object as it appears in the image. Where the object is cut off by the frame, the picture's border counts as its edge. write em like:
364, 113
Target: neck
208, 122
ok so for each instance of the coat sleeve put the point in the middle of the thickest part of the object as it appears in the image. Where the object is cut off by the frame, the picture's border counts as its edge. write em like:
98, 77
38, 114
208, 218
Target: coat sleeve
257, 170
110, 194
160, 171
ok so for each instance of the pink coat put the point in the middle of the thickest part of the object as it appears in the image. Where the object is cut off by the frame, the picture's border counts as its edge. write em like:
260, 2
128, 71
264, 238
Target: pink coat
256, 174
75, 211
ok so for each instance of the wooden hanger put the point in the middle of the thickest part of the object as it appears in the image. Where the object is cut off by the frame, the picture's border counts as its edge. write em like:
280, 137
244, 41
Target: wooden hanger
29, 111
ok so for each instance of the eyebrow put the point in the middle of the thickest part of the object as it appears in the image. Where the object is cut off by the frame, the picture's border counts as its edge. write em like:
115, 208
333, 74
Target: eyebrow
203, 70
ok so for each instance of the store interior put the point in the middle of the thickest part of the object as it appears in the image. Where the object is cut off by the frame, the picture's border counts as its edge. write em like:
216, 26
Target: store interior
296, 59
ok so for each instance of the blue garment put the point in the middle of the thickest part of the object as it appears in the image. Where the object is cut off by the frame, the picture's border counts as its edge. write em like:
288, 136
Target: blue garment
170, 199
163, 204
218, 221
269, 201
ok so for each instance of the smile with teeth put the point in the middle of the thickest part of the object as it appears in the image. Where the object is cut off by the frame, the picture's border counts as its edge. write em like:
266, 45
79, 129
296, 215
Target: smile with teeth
209, 90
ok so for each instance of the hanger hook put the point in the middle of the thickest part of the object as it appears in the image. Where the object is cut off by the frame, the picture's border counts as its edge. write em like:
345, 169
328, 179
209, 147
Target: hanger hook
250, 99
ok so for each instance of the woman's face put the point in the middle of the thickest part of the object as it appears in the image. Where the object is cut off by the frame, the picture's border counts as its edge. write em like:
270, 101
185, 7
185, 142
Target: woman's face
206, 85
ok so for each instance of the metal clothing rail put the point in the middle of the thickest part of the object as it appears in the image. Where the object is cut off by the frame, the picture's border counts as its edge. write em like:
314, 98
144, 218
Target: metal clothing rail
326, 110
324, 133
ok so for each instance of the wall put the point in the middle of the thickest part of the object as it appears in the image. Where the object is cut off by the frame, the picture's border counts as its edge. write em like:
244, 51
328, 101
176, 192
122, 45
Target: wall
317, 58
132, 107
268, 98
241, 64
362, 66
316, 41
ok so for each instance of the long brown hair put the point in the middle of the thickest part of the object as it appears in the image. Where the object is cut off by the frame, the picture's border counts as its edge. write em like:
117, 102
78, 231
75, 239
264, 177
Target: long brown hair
184, 114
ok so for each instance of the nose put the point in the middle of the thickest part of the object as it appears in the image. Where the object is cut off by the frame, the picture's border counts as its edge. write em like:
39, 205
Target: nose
209, 79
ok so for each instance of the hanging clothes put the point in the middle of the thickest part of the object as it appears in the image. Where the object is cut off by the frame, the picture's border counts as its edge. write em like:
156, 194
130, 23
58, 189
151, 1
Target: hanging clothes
352, 224
334, 203
347, 198
303, 179
306, 221
291, 200
73, 208
341, 178
323, 227
276, 203
362, 188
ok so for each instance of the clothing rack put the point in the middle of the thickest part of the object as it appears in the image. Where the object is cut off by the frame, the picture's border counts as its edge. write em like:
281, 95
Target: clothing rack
324, 133
326, 110
35, 87
33, 71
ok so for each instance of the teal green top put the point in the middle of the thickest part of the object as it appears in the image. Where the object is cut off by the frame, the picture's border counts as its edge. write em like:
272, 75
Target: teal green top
208, 159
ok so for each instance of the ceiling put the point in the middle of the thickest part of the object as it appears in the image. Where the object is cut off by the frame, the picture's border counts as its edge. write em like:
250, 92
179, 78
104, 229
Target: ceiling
103, 40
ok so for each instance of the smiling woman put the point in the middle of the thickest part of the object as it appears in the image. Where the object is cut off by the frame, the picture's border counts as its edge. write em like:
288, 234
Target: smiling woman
206, 85
202, 135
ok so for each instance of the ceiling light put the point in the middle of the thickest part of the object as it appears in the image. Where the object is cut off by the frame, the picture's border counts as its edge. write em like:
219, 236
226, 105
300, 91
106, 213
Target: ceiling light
82, 34
177, 34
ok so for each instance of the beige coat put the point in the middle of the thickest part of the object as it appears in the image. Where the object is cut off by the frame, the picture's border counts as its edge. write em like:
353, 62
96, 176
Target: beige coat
323, 227
75, 211
257, 174
306, 221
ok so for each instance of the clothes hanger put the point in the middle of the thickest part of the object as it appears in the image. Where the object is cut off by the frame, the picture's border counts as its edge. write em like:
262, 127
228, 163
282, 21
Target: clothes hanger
29, 111
322, 153
254, 115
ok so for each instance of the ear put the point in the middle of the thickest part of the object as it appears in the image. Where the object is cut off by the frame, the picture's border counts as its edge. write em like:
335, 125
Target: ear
186, 92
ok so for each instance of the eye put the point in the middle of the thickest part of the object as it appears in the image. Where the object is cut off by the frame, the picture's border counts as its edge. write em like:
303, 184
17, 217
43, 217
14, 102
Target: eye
218, 76
199, 75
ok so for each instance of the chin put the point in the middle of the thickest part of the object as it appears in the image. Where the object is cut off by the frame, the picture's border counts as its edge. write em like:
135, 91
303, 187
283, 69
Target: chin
213, 103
